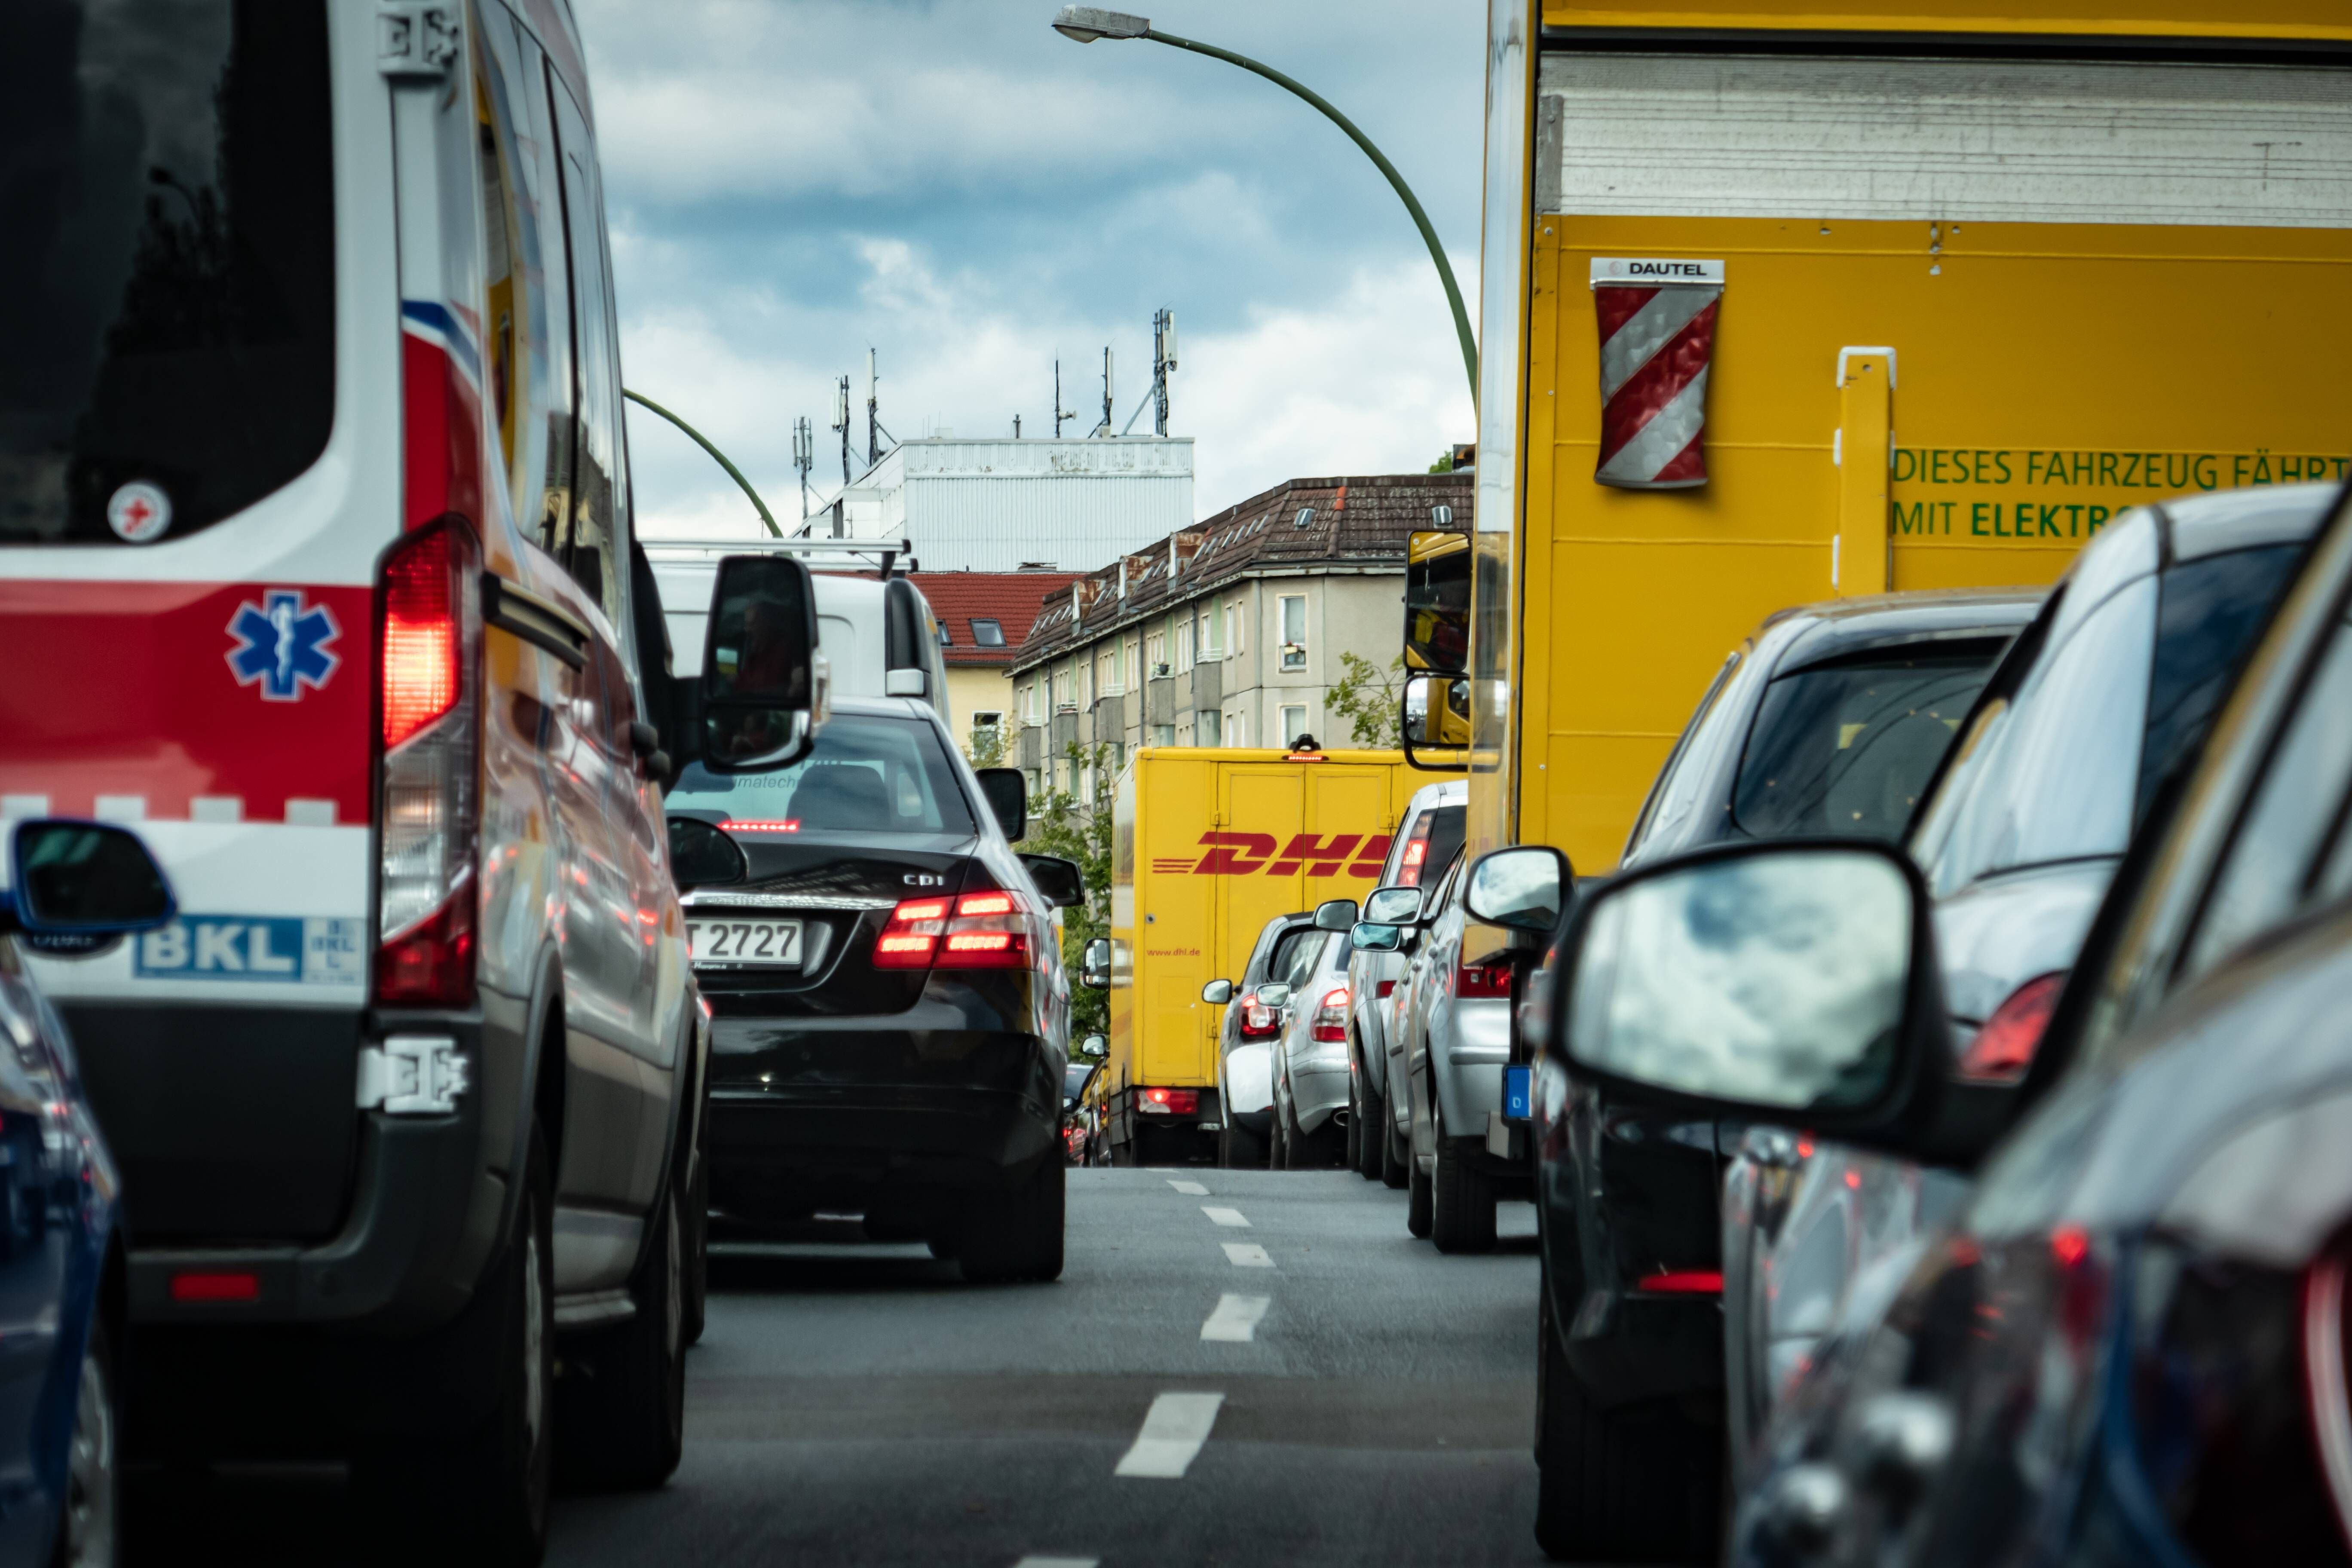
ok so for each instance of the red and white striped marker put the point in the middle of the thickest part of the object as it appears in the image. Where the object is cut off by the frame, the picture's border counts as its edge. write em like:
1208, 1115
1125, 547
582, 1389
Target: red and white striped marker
1657, 339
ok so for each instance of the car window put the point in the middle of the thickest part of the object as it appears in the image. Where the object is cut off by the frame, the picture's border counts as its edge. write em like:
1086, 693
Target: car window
2212, 610
868, 774
1677, 779
1849, 748
1074, 1079
1286, 952
1306, 958
2053, 775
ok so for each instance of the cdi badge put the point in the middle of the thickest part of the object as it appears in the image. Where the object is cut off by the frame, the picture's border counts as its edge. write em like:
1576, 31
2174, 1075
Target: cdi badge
1657, 317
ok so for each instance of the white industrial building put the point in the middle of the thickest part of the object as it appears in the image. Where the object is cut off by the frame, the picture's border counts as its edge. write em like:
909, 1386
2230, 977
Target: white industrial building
997, 504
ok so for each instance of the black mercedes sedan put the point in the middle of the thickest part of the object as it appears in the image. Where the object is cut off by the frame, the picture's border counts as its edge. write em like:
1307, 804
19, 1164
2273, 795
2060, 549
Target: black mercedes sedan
890, 1016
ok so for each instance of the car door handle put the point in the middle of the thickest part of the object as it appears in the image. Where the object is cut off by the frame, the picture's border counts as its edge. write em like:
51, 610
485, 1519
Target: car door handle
540, 622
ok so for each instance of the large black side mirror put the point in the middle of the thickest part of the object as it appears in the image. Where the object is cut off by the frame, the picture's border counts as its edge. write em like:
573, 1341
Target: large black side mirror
1008, 797
1437, 717
1094, 965
1061, 882
1520, 889
76, 883
764, 690
701, 855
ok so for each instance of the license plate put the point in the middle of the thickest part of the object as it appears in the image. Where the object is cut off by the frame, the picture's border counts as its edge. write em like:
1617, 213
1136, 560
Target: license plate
731, 942
1516, 1099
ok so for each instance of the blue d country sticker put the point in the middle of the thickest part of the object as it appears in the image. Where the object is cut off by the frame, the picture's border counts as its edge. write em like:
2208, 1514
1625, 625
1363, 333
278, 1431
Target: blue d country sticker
1518, 1101
312, 949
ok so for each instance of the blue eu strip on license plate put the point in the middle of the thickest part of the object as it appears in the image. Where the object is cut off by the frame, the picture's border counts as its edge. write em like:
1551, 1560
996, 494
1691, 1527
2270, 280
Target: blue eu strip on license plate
1516, 1097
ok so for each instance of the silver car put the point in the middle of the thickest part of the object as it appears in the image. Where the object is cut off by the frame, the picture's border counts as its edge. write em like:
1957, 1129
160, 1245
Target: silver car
2100, 699
1455, 1032
1246, 1040
1310, 1058
1428, 840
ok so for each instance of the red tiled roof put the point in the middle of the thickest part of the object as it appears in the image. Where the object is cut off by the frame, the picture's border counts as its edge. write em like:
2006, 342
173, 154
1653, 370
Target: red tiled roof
1010, 598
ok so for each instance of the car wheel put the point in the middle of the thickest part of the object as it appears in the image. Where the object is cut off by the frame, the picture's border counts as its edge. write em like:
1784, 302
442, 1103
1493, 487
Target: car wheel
479, 1494
87, 1520
622, 1404
697, 1220
1354, 1157
1017, 1235
1419, 1201
1368, 1132
1462, 1199
1641, 1484
1239, 1149
1396, 1156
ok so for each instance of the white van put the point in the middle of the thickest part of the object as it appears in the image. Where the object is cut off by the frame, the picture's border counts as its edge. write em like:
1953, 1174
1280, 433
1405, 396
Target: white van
316, 561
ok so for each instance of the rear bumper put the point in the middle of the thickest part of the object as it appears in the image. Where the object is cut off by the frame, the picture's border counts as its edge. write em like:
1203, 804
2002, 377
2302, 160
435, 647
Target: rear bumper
1318, 1089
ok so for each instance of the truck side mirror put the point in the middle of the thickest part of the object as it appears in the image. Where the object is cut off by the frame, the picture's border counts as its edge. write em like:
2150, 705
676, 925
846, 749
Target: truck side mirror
764, 688
1437, 717
77, 884
1094, 965
1336, 914
1095, 1047
1437, 601
1008, 797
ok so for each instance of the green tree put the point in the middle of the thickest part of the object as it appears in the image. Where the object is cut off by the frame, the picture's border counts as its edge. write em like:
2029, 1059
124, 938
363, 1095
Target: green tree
986, 748
1368, 697
1445, 464
1062, 822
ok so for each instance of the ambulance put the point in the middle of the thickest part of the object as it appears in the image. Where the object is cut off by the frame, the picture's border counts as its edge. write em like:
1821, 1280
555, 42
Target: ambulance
316, 563
1208, 844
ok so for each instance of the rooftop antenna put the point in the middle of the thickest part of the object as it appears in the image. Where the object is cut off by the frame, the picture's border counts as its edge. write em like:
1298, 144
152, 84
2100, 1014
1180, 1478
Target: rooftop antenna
1016, 426
841, 423
1104, 428
803, 457
872, 421
1060, 419
1164, 361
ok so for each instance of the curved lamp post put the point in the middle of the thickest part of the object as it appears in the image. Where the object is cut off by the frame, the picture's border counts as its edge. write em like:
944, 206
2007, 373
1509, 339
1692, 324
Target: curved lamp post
1088, 22
732, 471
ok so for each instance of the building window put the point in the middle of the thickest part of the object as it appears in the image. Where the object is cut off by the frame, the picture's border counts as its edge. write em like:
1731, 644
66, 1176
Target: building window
988, 634
947, 638
1163, 735
987, 720
1234, 629
1305, 515
1185, 647
1294, 721
1293, 631
1134, 665
1441, 517
1155, 652
1237, 728
1208, 731
1209, 645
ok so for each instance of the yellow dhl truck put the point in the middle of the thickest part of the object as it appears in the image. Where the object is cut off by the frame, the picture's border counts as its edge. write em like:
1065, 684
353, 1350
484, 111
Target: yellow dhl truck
1787, 300
1207, 846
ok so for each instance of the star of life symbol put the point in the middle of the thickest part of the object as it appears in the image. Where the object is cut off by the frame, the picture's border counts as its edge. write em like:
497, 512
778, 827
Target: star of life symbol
282, 645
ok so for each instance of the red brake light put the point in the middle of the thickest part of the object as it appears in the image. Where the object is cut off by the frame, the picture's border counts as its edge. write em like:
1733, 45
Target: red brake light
216, 1287
778, 825
1168, 1101
1483, 980
1682, 1282
1330, 1020
1258, 1020
2004, 1047
423, 660
1415, 852
978, 930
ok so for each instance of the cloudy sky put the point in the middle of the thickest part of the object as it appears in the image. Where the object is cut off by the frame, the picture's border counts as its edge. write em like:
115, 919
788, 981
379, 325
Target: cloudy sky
959, 186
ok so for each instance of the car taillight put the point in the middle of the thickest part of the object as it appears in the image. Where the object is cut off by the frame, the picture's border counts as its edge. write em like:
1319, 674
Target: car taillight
1258, 1020
1168, 1101
1386, 987
428, 634
2004, 1047
978, 930
1483, 980
1331, 1019
1415, 852
1682, 1282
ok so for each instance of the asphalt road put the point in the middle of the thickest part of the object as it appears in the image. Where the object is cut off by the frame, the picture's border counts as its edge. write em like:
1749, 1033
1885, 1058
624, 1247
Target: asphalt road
1352, 1398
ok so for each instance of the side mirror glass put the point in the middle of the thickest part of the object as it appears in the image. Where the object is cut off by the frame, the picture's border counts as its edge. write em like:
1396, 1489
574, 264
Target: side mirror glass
702, 855
762, 691
1273, 993
1336, 914
1780, 980
1376, 936
1008, 797
76, 879
1094, 1047
1437, 601
1059, 881
1217, 993
1436, 718
1394, 906
1094, 965
1520, 889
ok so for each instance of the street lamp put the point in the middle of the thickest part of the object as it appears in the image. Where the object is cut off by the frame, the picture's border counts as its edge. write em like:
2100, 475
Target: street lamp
1086, 24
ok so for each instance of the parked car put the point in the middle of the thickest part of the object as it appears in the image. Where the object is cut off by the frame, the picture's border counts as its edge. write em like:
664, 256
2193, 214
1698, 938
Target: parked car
1423, 849
317, 526
74, 888
1829, 717
1251, 1021
889, 1010
2102, 698
1077, 1126
2127, 1346
1310, 1053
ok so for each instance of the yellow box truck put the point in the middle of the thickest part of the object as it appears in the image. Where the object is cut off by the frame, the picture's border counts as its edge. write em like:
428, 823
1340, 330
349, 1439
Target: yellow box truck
1782, 300
1208, 844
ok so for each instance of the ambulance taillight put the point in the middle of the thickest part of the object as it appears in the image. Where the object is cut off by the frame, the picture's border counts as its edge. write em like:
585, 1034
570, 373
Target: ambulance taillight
428, 641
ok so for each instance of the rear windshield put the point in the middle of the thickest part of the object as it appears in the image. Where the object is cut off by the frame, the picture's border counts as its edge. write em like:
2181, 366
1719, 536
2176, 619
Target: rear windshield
869, 774
1429, 848
1849, 748
166, 263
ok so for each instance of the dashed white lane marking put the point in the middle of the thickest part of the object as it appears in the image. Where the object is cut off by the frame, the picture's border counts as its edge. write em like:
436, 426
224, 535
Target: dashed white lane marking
1036, 1561
1248, 1255
1158, 1170
1190, 1189
1236, 1319
1224, 1215
1173, 1431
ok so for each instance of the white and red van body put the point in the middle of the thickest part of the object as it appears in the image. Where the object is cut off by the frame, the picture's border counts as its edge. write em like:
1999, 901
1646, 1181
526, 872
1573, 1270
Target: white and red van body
316, 563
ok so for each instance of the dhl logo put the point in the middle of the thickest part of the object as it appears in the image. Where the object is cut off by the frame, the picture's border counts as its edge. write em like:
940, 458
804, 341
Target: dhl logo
1248, 854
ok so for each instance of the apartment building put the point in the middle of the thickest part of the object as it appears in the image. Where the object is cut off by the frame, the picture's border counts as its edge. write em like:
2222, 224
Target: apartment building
1229, 633
984, 618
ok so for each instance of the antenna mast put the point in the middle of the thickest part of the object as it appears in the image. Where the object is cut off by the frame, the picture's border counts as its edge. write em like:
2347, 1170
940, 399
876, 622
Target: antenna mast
1105, 427
1163, 360
841, 423
803, 456
873, 419
1060, 419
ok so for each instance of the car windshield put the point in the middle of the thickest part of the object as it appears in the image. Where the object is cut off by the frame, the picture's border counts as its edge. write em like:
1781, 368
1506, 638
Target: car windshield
869, 774
1849, 748
167, 278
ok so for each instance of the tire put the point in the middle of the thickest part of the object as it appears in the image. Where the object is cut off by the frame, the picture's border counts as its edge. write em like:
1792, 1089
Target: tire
1239, 1149
1368, 1132
697, 1248
1418, 1200
1640, 1485
90, 1515
1017, 1235
623, 1402
1396, 1158
479, 1494
1354, 1158
1462, 1199
1277, 1142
